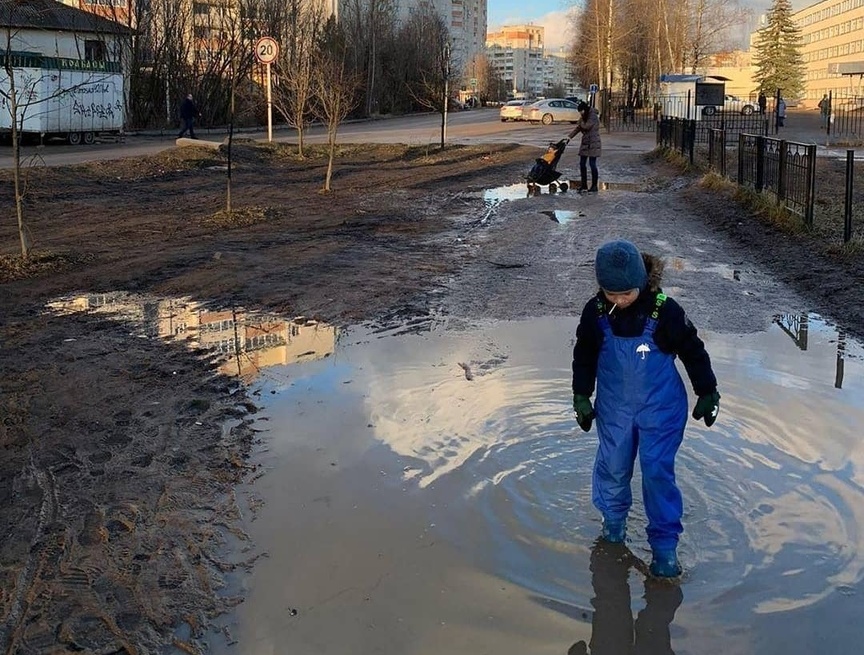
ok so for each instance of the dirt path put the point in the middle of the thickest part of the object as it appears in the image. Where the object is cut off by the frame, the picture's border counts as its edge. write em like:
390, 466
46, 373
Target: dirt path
115, 484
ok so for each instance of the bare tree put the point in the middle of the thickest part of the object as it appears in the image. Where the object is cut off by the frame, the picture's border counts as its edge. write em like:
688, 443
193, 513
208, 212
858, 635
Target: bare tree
297, 67
336, 88
433, 69
368, 23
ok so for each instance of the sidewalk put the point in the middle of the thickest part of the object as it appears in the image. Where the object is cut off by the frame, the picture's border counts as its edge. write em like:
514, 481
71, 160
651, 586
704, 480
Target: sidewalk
804, 126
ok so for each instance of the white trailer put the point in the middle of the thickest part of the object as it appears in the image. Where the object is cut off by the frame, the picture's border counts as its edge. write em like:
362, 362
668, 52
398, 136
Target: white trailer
75, 100
680, 99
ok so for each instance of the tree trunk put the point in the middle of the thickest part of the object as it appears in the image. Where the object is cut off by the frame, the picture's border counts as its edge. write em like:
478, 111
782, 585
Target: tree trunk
16, 164
331, 147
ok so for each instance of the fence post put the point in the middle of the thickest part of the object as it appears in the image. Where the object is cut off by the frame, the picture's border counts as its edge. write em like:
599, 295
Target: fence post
760, 162
782, 156
811, 185
740, 158
847, 209
691, 138
723, 153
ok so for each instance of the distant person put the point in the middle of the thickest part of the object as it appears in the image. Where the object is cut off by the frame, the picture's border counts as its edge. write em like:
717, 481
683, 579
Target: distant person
628, 338
825, 110
589, 149
781, 112
763, 102
188, 113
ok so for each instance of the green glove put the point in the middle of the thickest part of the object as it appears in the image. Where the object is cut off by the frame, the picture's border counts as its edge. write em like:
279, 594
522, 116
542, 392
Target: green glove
707, 407
584, 412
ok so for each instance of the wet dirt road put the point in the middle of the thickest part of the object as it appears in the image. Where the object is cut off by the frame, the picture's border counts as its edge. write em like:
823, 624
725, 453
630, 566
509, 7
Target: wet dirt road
420, 485
427, 489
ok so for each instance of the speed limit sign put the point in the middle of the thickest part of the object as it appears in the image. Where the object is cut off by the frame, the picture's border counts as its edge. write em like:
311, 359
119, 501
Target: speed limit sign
266, 49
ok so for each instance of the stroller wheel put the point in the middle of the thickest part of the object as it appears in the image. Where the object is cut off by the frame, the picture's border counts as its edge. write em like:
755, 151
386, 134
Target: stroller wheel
564, 186
553, 188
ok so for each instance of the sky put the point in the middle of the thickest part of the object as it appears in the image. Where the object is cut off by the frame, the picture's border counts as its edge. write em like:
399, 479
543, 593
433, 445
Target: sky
553, 15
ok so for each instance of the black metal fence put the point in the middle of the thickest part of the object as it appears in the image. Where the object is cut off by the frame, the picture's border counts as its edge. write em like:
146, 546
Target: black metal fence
785, 168
677, 134
621, 113
717, 150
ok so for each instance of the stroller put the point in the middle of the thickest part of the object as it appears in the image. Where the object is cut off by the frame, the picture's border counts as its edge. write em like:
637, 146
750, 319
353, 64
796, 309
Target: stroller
543, 171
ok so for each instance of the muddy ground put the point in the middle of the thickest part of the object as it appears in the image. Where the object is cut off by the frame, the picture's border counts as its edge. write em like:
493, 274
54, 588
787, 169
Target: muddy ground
117, 467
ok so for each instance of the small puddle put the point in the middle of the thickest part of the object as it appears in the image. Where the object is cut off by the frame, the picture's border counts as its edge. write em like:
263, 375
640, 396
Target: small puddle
562, 215
435, 486
246, 342
505, 193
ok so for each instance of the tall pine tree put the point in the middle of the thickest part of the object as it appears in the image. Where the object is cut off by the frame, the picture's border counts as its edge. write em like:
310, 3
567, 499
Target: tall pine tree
778, 61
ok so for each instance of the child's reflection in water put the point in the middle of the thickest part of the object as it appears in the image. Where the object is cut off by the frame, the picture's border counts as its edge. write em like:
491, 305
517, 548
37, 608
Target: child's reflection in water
613, 630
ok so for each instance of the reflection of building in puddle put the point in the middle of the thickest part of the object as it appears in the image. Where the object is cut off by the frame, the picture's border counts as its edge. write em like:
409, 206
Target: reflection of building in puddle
798, 328
246, 341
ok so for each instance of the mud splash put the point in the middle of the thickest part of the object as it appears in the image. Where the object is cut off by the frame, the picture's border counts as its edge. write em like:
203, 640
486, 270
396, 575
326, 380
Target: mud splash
447, 469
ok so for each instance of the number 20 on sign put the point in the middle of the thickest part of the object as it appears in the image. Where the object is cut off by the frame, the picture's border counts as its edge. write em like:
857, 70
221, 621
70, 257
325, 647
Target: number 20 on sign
266, 51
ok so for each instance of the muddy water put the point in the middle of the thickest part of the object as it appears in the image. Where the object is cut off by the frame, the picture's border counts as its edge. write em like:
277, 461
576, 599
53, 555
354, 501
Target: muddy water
429, 493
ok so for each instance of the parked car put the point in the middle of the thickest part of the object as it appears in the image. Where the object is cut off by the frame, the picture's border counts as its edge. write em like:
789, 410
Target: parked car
512, 110
733, 104
551, 110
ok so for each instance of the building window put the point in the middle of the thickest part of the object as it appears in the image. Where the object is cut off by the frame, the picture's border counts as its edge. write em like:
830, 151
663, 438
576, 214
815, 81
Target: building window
200, 8
94, 50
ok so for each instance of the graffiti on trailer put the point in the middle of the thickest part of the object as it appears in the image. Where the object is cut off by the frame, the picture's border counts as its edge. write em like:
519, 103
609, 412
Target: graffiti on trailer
88, 89
94, 109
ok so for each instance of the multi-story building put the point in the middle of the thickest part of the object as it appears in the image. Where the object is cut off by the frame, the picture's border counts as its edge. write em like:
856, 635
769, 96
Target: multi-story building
466, 21
517, 54
831, 33
559, 72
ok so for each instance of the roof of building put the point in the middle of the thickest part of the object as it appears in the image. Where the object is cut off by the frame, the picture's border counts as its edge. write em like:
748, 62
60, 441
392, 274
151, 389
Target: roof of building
51, 15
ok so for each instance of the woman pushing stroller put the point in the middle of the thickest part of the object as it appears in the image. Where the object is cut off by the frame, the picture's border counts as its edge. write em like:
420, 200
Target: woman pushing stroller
589, 150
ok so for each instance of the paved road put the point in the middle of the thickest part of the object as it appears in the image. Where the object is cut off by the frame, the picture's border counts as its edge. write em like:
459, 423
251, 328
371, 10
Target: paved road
469, 127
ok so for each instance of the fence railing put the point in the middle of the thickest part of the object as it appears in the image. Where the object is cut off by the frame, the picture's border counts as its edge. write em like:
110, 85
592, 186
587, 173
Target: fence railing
677, 134
785, 168
717, 150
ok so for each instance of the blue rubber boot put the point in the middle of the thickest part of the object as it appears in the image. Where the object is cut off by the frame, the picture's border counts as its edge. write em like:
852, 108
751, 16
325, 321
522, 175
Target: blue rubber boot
614, 532
665, 564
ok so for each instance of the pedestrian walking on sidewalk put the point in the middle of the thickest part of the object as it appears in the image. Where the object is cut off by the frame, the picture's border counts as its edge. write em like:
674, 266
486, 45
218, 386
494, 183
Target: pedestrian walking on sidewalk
188, 113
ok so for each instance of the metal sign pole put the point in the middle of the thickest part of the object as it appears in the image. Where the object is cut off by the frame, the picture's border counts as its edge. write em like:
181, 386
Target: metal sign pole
269, 107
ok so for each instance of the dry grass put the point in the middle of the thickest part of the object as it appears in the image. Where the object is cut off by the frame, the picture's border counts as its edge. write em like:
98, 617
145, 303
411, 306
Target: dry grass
15, 267
242, 217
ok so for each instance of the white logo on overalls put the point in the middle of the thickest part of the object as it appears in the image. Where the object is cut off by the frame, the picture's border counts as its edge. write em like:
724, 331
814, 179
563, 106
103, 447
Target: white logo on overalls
643, 349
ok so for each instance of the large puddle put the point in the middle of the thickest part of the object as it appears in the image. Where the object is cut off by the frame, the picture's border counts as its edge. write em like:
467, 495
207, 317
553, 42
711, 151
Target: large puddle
430, 493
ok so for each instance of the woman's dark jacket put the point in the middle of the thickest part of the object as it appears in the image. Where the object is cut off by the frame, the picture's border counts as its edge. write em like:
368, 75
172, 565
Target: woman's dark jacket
674, 334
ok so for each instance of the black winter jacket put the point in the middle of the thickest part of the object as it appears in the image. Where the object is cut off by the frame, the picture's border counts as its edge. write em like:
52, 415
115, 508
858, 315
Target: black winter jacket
674, 334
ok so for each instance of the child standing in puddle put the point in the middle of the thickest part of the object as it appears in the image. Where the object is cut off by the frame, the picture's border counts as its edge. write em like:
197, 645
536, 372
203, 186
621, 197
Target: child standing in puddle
626, 343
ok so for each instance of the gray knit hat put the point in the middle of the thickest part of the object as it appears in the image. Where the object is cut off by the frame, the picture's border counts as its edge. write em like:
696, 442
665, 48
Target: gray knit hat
619, 267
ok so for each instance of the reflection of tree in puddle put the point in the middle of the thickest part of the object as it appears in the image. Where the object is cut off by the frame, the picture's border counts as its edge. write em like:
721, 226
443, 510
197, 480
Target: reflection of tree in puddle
245, 341
798, 329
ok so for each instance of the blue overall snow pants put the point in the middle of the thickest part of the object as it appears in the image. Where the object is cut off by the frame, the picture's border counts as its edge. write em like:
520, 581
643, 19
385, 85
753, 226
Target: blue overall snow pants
641, 406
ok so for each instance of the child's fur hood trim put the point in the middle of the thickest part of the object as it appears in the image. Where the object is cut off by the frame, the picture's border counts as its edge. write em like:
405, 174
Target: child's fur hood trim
654, 266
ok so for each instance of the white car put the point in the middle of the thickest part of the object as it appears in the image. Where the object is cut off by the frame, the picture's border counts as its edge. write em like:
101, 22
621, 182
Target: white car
733, 104
512, 111
552, 110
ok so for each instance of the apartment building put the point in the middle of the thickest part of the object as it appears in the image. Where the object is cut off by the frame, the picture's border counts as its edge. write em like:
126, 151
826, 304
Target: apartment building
832, 32
466, 21
517, 54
